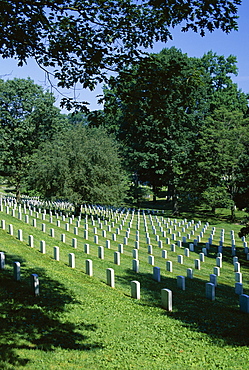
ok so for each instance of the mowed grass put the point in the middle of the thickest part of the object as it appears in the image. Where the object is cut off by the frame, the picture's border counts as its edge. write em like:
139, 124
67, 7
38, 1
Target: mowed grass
78, 322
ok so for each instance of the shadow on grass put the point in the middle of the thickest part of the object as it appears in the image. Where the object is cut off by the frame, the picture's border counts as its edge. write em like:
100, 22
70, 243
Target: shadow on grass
220, 319
29, 322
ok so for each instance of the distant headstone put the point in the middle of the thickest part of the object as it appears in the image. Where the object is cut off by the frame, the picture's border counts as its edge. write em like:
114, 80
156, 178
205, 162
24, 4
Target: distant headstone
117, 258
190, 273
110, 277
197, 264
180, 259
151, 260
101, 252
71, 257
169, 266
17, 271
210, 291
2, 260
42, 247
164, 254
135, 289
57, 253
166, 297
244, 303
181, 282
31, 241
156, 274
89, 267
213, 279
74, 243
135, 265
217, 271
35, 284
121, 248
238, 288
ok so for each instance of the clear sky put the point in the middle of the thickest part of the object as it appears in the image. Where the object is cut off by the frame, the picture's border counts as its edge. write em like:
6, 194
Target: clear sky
235, 43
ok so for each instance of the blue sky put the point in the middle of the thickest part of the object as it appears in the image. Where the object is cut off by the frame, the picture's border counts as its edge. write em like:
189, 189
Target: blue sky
235, 43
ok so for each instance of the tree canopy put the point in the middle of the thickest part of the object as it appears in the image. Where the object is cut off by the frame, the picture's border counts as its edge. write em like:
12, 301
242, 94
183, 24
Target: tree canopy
183, 124
27, 118
82, 165
81, 41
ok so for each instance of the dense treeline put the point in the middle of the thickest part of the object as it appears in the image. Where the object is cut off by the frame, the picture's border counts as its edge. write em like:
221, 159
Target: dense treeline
183, 124
170, 121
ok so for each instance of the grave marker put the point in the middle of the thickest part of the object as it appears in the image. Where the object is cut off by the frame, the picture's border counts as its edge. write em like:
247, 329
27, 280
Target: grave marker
156, 274
2, 260
181, 282
89, 267
166, 297
42, 247
57, 253
35, 284
135, 289
17, 271
210, 291
110, 277
244, 303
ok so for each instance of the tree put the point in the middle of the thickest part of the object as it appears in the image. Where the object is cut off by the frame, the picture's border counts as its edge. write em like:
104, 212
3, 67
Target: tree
81, 41
221, 149
156, 110
82, 165
27, 118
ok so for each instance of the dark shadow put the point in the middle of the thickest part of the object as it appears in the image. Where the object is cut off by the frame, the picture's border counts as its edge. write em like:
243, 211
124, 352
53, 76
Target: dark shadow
221, 319
33, 322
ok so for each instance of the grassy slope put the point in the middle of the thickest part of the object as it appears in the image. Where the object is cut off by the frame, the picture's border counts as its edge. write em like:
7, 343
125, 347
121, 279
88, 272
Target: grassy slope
78, 322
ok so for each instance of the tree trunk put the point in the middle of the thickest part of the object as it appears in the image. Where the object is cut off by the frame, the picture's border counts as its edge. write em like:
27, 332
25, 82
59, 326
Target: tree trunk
154, 189
18, 194
175, 206
233, 212
77, 208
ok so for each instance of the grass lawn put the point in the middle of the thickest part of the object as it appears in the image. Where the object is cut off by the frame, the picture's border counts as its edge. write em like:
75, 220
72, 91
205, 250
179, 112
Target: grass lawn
79, 322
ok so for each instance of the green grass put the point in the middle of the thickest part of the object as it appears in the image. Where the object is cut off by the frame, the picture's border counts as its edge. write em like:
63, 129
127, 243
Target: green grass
78, 322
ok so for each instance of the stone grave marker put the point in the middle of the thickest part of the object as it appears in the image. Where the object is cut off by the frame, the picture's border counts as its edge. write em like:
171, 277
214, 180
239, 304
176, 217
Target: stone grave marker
71, 257
210, 291
156, 274
35, 286
166, 297
181, 282
17, 271
244, 303
57, 253
2, 260
135, 265
101, 252
89, 267
135, 289
110, 277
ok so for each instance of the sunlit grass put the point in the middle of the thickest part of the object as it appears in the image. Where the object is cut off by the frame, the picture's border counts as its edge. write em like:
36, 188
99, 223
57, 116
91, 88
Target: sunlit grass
78, 322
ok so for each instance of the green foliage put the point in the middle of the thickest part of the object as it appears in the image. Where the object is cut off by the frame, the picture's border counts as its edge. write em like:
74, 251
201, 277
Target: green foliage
27, 118
179, 120
82, 165
154, 105
82, 41
221, 148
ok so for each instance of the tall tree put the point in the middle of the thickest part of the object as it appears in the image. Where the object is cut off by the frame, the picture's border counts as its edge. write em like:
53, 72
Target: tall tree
222, 150
80, 41
82, 164
155, 105
27, 118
